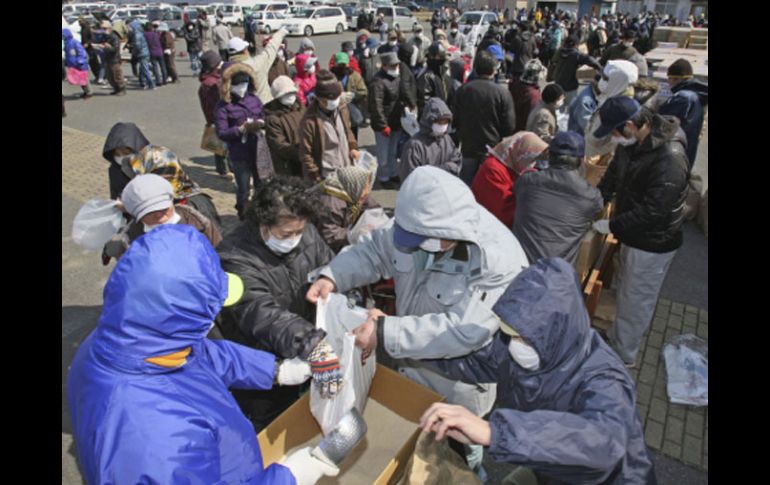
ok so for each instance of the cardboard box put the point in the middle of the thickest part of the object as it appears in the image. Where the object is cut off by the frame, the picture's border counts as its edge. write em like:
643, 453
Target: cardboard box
296, 427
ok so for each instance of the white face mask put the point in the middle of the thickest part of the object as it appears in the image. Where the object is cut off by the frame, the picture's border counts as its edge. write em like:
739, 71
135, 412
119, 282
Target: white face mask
332, 104
622, 140
439, 129
454, 31
124, 158
350, 53
171, 220
524, 354
309, 52
282, 246
628, 44
603, 86
393, 72
431, 245
288, 100
393, 43
559, 104
310, 70
366, 52
240, 89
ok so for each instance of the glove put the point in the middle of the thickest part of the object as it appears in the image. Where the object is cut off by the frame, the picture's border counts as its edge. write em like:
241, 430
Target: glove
386, 131
347, 97
307, 470
602, 226
293, 372
167, 52
325, 366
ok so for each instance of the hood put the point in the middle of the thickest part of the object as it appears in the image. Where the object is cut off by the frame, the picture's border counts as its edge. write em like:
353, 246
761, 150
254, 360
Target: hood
698, 87
162, 297
432, 202
124, 135
620, 75
405, 53
372, 44
567, 51
136, 26
434, 109
299, 62
664, 129
66, 35
544, 304
227, 80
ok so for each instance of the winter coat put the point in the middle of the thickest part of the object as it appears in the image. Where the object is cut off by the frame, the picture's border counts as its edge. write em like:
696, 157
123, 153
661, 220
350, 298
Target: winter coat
370, 66
575, 419
444, 309
334, 220
564, 66
154, 43
483, 115
352, 63
526, 97
167, 41
524, 50
493, 188
121, 135
135, 421
554, 211
432, 85
192, 36
385, 107
581, 109
425, 148
407, 87
273, 314
305, 82
209, 94
282, 134
355, 84
542, 122
458, 40
686, 103
112, 50
221, 35
649, 183
75, 54
262, 62
311, 139
597, 40
279, 68
618, 51
231, 112
207, 33
139, 47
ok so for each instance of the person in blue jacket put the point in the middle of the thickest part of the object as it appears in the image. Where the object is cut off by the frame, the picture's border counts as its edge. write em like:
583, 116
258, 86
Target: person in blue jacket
75, 56
566, 404
141, 50
148, 393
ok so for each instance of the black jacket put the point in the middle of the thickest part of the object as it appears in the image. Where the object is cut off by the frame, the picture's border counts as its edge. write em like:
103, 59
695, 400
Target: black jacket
524, 48
483, 115
121, 135
649, 182
384, 106
273, 314
432, 85
564, 66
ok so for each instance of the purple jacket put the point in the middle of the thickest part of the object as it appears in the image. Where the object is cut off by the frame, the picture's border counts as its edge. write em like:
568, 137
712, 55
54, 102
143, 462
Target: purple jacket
153, 41
229, 116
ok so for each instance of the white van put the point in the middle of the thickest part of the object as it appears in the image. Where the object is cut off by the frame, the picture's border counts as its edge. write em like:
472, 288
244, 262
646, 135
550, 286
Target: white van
275, 7
400, 18
318, 20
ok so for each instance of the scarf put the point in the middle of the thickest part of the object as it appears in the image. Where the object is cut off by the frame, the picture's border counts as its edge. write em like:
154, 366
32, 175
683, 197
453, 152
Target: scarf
162, 161
520, 150
348, 184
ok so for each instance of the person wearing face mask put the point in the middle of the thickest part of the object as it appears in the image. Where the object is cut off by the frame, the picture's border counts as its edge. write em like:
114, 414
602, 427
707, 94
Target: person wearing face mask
542, 119
306, 77
624, 50
220, 36
435, 81
618, 79
282, 118
272, 251
597, 40
457, 38
564, 66
149, 199
348, 48
369, 61
566, 406
385, 109
420, 43
648, 179
355, 91
432, 145
451, 260
238, 117
390, 45
209, 95
525, 91
326, 140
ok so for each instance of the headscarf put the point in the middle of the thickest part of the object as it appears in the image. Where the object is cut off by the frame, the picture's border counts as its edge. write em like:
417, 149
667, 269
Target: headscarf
162, 161
620, 76
348, 184
520, 150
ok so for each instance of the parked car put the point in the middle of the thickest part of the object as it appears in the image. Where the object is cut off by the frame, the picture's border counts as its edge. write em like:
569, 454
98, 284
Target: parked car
271, 6
475, 24
400, 18
351, 13
172, 16
124, 13
412, 6
270, 21
318, 20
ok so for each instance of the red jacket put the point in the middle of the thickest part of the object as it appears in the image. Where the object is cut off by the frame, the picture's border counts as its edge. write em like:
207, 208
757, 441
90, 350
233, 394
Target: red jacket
525, 98
353, 64
208, 93
493, 189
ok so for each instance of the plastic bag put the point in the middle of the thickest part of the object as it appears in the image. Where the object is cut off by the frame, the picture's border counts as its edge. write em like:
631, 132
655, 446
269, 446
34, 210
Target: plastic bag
96, 222
562, 121
409, 122
371, 219
687, 367
336, 317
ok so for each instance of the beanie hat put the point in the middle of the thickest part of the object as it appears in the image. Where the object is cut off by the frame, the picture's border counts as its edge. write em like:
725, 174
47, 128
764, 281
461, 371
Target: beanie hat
306, 44
680, 69
282, 85
327, 85
568, 143
210, 60
147, 193
552, 92
347, 46
389, 59
533, 71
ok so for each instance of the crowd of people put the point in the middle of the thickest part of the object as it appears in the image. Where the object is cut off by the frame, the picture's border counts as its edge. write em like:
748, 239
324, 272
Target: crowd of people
206, 337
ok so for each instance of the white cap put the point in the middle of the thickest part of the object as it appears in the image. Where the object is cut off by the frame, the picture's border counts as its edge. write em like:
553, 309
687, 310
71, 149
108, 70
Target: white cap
236, 45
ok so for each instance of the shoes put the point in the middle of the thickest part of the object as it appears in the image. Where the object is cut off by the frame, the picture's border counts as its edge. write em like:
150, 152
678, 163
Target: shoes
118, 93
87, 96
168, 80
101, 82
105, 86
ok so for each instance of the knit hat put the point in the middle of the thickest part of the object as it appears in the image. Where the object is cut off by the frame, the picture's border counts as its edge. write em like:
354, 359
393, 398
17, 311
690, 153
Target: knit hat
552, 92
341, 58
362, 33
533, 71
210, 60
306, 44
236, 45
282, 85
347, 46
389, 59
147, 193
568, 143
327, 85
680, 69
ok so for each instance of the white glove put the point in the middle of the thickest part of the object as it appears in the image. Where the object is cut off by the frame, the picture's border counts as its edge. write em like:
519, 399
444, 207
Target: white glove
167, 52
307, 470
602, 226
293, 372
347, 97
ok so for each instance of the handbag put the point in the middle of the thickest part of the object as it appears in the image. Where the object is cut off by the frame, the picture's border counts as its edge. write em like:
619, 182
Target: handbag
76, 77
211, 142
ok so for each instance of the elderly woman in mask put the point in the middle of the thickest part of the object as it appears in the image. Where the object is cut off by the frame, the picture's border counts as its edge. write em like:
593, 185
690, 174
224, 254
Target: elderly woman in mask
495, 181
273, 250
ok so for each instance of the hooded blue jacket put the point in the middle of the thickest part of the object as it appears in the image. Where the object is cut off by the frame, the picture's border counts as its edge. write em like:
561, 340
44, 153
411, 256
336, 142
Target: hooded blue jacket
75, 54
141, 49
574, 420
687, 103
137, 422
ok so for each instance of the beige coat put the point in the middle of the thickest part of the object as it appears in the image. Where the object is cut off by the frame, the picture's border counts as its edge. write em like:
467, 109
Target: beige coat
542, 122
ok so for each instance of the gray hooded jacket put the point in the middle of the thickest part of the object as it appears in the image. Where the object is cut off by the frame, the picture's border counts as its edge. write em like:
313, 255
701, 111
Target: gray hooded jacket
426, 149
443, 306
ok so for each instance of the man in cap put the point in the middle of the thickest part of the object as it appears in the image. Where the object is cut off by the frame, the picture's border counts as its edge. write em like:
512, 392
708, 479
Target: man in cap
167, 39
451, 260
385, 109
111, 49
348, 48
456, 38
524, 48
648, 180
687, 101
221, 35
156, 53
556, 201
624, 50
420, 42
237, 49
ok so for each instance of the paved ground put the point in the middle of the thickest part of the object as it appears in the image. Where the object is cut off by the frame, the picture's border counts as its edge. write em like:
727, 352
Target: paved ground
171, 117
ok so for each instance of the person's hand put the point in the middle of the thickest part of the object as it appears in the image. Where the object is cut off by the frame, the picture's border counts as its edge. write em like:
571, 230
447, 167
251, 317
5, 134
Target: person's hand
602, 226
167, 52
355, 155
325, 366
320, 289
347, 97
386, 131
456, 422
366, 334
306, 468
293, 372
119, 205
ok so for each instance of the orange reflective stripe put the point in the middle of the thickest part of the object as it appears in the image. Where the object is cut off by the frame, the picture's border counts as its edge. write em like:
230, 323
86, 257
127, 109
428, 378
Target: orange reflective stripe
171, 360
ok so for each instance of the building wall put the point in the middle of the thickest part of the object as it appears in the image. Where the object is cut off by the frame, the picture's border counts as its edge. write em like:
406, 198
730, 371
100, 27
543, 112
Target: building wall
678, 9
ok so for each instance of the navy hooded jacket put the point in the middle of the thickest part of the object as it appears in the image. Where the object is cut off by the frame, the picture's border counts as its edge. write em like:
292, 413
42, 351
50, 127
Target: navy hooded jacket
686, 103
139, 422
574, 420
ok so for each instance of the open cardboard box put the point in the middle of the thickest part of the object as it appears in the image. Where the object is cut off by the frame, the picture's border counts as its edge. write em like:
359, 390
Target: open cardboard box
297, 427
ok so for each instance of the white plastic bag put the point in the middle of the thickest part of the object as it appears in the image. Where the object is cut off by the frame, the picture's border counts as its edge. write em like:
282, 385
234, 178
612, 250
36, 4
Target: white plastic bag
335, 317
367, 161
370, 220
96, 222
409, 122
687, 367
562, 121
